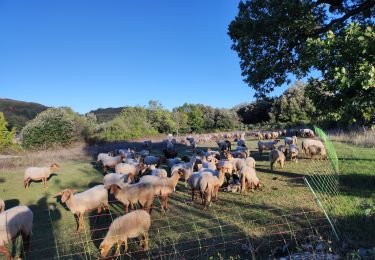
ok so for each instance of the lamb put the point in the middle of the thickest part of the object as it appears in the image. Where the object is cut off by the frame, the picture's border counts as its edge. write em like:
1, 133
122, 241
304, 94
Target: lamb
113, 178
306, 143
131, 170
131, 225
152, 160
276, 156
194, 183
111, 162
290, 140
248, 178
306, 132
86, 201
39, 173
237, 163
209, 185
250, 161
188, 166
130, 194
13, 222
282, 148
2, 205
263, 146
163, 186
293, 151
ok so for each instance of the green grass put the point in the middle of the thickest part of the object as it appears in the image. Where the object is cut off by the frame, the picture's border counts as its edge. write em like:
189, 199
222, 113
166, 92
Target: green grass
283, 212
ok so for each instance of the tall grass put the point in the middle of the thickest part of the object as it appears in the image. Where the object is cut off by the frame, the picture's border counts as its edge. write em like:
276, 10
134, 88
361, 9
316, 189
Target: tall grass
365, 138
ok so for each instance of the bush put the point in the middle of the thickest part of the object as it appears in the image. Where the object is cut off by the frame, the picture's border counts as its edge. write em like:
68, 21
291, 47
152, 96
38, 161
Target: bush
50, 128
6, 136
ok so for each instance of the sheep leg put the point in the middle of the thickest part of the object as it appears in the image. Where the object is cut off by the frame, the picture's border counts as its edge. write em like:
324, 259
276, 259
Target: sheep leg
126, 208
146, 247
80, 222
126, 244
166, 202
118, 249
5, 252
44, 182
26, 244
132, 206
272, 166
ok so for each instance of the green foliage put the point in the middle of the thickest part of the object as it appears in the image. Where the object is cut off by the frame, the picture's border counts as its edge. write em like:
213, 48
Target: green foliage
6, 136
54, 126
346, 91
131, 123
293, 107
195, 116
160, 118
17, 113
255, 112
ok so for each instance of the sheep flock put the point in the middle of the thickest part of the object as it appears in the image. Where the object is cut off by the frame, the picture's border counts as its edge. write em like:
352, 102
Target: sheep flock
134, 178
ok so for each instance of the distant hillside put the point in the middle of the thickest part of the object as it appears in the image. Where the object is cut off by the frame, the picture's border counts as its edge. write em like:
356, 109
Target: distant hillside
106, 114
17, 113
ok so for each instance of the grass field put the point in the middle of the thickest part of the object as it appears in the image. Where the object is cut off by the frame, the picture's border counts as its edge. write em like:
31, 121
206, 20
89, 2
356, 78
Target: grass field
282, 216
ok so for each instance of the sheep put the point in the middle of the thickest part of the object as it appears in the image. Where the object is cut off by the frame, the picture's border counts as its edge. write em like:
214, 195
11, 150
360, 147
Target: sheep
193, 143
268, 136
237, 163
306, 143
241, 142
143, 153
194, 183
150, 160
314, 150
262, 146
173, 161
274, 135
188, 166
113, 178
130, 194
290, 140
111, 162
209, 185
209, 164
260, 136
234, 187
13, 222
101, 157
276, 156
306, 132
2, 205
158, 172
86, 201
224, 145
250, 161
227, 167
240, 152
39, 173
131, 170
293, 151
169, 145
282, 148
127, 153
163, 186
248, 178
131, 225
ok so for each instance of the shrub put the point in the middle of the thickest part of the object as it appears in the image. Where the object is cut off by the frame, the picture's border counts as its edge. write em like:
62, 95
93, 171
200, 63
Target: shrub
6, 136
51, 127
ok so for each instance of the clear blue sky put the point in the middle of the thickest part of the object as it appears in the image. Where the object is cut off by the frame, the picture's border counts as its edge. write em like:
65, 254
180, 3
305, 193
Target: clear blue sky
91, 54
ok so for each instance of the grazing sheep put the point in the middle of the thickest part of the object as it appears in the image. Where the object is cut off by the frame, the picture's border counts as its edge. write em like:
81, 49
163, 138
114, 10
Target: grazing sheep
209, 185
86, 201
306, 143
225, 145
130, 194
314, 150
163, 186
234, 187
250, 161
111, 162
293, 151
260, 136
113, 178
130, 170
13, 222
263, 146
276, 156
248, 178
240, 152
152, 160
282, 148
268, 136
237, 163
131, 225
39, 173
2, 205
274, 135
306, 132
290, 140
127, 153
227, 168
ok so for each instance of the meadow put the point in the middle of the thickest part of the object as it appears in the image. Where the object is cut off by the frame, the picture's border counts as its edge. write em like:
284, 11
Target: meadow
281, 218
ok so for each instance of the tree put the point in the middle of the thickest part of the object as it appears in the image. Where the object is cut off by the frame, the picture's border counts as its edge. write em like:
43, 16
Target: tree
346, 90
195, 116
6, 136
53, 126
293, 106
255, 112
270, 35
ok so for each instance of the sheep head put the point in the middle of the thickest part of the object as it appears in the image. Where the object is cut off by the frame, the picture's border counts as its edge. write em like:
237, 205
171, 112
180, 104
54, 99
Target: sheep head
105, 247
54, 166
66, 195
114, 188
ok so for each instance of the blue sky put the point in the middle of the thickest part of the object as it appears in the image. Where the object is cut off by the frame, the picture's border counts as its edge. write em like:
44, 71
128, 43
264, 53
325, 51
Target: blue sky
91, 54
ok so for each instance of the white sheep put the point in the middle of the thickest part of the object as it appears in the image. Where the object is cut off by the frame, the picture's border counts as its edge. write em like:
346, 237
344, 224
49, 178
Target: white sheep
263, 146
150, 160
86, 201
250, 161
293, 151
130, 170
2, 205
276, 156
305, 132
306, 143
131, 225
111, 162
158, 172
127, 153
130, 194
163, 186
113, 178
290, 140
13, 222
194, 183
248, 178
209, 185
39, 173
188, 166
101, 157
